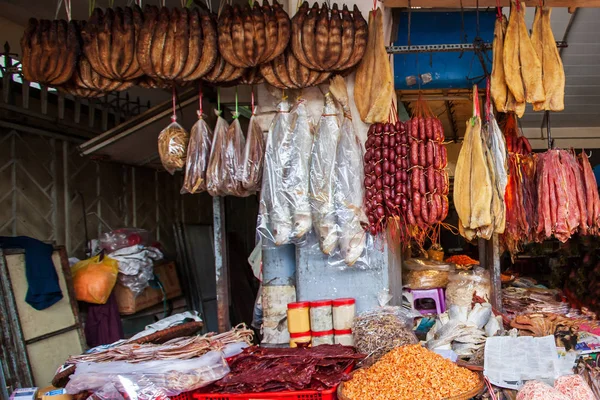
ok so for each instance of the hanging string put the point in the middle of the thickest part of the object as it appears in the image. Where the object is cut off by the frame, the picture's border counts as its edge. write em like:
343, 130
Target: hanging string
236, 103
68, 9
499, 9
200, 98
111, 3
488, 106
374, 5
252, 100
518, 5
174, 116
219, 100
163, 3
58, 6
91, 6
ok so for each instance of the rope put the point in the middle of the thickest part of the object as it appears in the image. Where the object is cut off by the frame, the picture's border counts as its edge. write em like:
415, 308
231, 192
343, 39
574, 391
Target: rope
499, 9
58, 5
219, 100
252, 100
68, 9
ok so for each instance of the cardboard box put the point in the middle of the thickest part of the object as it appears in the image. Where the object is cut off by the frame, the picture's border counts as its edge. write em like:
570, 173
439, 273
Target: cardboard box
128, 304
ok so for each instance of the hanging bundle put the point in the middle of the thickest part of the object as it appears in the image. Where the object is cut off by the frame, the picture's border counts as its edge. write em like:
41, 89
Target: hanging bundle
172, 144
198, 153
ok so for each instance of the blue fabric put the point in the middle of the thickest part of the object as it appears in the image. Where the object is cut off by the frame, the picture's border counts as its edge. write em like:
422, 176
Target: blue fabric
43, 290
597, 173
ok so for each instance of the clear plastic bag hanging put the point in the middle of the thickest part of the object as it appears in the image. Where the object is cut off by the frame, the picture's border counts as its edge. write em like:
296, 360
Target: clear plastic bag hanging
215, 163
274, 219
322, 177
198, 154
172, 147
231, 185
253, 159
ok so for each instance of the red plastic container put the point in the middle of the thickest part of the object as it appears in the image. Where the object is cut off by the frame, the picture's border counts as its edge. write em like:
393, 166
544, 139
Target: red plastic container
329, 394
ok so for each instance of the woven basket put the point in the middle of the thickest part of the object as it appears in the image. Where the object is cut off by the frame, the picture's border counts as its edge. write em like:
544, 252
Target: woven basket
465, 396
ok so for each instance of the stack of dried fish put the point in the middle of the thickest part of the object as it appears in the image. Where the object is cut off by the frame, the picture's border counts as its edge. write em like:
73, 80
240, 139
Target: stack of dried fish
285, 72
182, 348
526, 69
86, 82
49, 51
374, 85
532, 300
328, 40
177, 44
110, 40
251, 36
464, 330
481, 178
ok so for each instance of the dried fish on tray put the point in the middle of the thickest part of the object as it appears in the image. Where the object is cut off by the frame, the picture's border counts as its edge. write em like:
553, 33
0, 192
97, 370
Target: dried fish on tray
181, 348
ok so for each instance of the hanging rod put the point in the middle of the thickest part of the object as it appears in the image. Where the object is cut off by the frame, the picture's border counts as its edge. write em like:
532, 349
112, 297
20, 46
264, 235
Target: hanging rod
441, 48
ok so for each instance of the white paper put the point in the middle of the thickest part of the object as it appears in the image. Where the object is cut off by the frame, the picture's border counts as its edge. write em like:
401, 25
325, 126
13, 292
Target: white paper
509, 361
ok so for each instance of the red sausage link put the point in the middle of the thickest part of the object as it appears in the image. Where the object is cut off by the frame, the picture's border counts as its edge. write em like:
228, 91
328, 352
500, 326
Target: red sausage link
422, 133
422, 156
429, 128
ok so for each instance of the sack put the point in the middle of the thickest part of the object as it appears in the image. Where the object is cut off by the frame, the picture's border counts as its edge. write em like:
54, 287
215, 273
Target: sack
172, 147
94, 280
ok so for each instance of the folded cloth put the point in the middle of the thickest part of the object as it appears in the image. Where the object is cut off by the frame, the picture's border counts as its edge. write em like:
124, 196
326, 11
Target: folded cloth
44, 290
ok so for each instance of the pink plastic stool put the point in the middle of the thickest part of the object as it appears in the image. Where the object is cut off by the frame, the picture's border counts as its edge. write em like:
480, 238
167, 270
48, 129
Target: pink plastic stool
437, 295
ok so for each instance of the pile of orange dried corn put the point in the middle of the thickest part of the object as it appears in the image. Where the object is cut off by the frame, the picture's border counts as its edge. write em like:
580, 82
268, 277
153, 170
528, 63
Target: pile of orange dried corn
408, 373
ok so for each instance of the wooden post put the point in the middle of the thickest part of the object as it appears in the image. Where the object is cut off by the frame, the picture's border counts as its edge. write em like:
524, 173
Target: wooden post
221, 264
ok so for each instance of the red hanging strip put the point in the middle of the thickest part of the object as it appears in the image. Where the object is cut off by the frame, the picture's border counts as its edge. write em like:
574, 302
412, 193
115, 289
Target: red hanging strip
174, 116
518, 5
499, 9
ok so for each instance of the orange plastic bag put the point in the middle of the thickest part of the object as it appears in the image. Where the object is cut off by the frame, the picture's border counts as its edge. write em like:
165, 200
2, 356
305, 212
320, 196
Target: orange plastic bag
94, 280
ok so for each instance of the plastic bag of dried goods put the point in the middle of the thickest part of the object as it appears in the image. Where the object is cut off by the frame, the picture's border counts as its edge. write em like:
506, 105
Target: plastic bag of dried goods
198, 154
172, 147
232, 161
215, 162
574, 387
274, 223
379, 331
296, 180
536, 390
321, 173
464, 284
254, 153
421, 273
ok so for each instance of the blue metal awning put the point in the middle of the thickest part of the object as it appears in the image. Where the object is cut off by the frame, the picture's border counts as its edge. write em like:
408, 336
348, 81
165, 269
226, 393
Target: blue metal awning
442, 69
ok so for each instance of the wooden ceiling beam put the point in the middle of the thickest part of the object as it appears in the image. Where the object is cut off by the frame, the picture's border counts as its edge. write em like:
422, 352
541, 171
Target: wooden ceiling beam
484, 3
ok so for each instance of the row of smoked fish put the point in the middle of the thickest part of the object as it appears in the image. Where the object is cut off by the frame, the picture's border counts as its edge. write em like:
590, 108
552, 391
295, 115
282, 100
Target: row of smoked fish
502, 187
160, 47
526, 69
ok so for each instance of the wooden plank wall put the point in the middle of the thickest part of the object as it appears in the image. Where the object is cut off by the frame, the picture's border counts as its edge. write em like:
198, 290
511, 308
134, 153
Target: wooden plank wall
43, 181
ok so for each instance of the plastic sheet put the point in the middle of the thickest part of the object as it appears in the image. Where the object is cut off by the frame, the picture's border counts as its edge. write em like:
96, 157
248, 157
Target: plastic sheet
198, 154
322, 173
124, 237
172, 147
253, 159
173, 376
421, 273
463, 285
215, 162
275, 215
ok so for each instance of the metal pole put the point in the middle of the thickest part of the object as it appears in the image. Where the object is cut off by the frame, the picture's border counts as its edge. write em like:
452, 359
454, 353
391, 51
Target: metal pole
221, 264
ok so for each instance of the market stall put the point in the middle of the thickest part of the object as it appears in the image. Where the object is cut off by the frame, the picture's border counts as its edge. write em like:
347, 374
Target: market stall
412, 238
